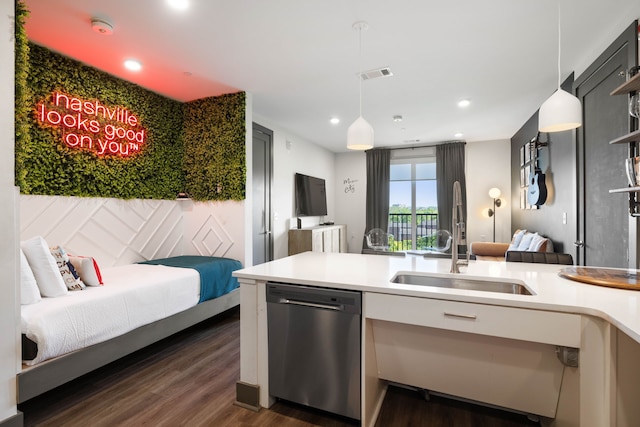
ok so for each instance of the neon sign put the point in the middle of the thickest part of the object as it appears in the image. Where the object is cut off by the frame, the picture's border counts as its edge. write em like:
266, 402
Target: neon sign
93, 126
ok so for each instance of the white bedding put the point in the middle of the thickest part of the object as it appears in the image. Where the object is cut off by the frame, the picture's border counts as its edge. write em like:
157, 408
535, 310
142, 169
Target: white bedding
132, 296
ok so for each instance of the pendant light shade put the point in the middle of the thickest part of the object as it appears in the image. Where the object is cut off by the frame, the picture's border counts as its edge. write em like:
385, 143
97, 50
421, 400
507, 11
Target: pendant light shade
360, 135
562, 111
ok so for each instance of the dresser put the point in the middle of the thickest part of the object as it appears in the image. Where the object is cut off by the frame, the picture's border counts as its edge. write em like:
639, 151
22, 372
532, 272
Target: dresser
322, 238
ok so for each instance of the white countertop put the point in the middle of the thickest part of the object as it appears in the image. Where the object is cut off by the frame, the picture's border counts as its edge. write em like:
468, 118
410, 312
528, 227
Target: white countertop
373, 273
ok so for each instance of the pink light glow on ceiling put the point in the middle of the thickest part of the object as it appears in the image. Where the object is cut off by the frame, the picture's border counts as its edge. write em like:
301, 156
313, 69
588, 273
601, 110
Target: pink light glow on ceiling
161, 74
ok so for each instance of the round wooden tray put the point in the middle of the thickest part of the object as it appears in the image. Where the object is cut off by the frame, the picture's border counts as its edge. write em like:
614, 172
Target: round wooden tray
613, 278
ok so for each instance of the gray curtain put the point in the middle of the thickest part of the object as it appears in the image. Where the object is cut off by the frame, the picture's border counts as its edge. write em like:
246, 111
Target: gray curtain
449, 168
378, 174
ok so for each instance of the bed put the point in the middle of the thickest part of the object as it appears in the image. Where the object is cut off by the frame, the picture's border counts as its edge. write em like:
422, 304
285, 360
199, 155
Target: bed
66, 337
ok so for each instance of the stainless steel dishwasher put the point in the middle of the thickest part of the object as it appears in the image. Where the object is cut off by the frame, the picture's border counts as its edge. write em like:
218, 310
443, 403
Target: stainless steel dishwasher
314, 347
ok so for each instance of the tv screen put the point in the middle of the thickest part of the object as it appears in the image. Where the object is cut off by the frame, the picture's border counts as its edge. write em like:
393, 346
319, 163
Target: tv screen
311, 196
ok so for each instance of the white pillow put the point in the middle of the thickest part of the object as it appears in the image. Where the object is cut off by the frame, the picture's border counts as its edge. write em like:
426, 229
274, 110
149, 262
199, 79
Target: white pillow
536, 243
87, 268
44, 267
526, 241
517, 238
29, 292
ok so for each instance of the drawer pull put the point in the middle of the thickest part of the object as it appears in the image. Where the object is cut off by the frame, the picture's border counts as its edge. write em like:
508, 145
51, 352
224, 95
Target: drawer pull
460, 316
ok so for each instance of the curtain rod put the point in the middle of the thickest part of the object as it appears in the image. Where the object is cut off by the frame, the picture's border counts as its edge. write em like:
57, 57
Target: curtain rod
421, 145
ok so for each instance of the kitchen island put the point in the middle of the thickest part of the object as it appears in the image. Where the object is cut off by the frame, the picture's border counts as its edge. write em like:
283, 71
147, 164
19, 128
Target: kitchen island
491, 347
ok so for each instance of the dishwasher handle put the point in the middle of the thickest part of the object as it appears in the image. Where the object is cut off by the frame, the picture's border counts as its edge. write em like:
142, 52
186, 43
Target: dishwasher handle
311, 304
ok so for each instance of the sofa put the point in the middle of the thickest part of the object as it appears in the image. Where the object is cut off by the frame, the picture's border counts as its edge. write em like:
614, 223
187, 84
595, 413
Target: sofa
522, 240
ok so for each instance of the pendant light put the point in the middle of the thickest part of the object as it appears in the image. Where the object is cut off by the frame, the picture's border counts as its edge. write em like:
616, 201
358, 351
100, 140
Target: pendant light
561, 111
360, 133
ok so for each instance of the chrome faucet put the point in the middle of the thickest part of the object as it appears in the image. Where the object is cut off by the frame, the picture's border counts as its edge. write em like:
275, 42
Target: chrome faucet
457, 228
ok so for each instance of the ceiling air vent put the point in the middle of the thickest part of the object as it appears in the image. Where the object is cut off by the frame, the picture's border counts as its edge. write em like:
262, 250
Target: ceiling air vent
373, 74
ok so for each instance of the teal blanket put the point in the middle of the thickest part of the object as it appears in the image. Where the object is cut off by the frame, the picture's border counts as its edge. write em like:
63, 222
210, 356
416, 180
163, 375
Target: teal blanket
215, 273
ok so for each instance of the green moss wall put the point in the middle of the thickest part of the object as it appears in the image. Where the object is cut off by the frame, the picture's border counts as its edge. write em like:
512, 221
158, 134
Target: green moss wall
197, 147
214, 138
22, 94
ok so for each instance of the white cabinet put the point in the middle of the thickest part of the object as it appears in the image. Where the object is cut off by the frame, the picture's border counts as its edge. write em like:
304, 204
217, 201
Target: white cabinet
503, 356
546, 327
323, 238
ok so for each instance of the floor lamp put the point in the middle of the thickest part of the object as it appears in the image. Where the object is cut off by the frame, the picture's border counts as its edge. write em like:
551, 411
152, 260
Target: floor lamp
494, 193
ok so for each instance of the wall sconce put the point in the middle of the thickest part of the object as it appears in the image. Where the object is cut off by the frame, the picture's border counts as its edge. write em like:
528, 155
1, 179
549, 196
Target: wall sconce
494, 193
185, 201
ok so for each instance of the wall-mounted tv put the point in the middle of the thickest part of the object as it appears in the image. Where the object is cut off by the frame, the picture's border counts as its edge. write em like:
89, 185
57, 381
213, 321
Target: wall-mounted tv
311, 196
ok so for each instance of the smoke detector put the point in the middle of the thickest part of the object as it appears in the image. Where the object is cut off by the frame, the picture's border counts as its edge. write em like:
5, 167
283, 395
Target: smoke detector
102, 26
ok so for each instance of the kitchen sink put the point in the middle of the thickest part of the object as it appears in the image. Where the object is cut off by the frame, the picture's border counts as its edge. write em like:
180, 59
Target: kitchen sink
461, 283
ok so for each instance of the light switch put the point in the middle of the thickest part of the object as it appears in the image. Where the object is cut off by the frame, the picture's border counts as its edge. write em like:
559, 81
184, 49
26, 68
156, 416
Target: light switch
564, 218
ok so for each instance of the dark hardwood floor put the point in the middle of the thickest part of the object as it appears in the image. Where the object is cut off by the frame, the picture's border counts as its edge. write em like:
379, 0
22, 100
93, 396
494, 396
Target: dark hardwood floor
189, 380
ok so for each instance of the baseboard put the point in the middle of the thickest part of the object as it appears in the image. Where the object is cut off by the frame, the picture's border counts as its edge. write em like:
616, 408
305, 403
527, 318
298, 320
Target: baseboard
16, 421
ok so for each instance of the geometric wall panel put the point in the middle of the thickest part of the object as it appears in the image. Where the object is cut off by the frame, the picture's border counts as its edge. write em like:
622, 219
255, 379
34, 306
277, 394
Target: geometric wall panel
118, 232
211, 238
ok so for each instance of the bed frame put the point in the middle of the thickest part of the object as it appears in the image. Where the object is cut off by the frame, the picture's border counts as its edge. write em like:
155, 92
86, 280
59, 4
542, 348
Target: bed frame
33, 381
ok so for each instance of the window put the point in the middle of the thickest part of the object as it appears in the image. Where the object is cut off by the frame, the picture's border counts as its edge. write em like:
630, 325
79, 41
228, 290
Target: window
413, 202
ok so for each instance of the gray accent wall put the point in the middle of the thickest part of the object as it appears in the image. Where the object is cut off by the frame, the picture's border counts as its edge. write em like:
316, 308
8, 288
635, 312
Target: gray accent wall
558, 162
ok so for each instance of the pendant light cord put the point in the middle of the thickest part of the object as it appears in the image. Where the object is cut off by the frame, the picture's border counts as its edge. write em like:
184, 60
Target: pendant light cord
360, 65
559, 43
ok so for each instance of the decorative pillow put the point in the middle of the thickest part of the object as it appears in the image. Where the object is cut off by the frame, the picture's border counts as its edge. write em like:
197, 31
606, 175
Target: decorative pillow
67, 271
526, 241
536, 243
548, 247
44, 267
29, 292
88, 270
517, 238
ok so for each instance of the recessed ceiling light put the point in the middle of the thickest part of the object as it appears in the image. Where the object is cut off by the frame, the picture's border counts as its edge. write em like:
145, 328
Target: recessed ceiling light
132, 65
179, 4
459, 135
464, 103
334, 120
397, 118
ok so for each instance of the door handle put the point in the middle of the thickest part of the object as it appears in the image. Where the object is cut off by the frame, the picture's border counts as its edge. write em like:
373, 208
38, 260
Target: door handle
311, 304
460, 316
578, 244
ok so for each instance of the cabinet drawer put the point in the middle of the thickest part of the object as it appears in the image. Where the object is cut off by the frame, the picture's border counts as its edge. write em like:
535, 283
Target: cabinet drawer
507, 322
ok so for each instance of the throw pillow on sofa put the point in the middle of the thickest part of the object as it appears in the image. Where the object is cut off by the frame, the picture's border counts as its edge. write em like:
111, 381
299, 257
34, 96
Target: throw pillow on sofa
517, 238
525, 242
532, 242
537, 243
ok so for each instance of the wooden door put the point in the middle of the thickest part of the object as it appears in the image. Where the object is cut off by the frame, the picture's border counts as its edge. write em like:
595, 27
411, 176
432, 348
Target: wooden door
603, 218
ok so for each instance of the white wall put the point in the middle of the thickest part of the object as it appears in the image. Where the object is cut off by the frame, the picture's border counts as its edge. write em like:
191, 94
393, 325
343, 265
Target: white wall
293, 154
488, 165
9, 306
351, 196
